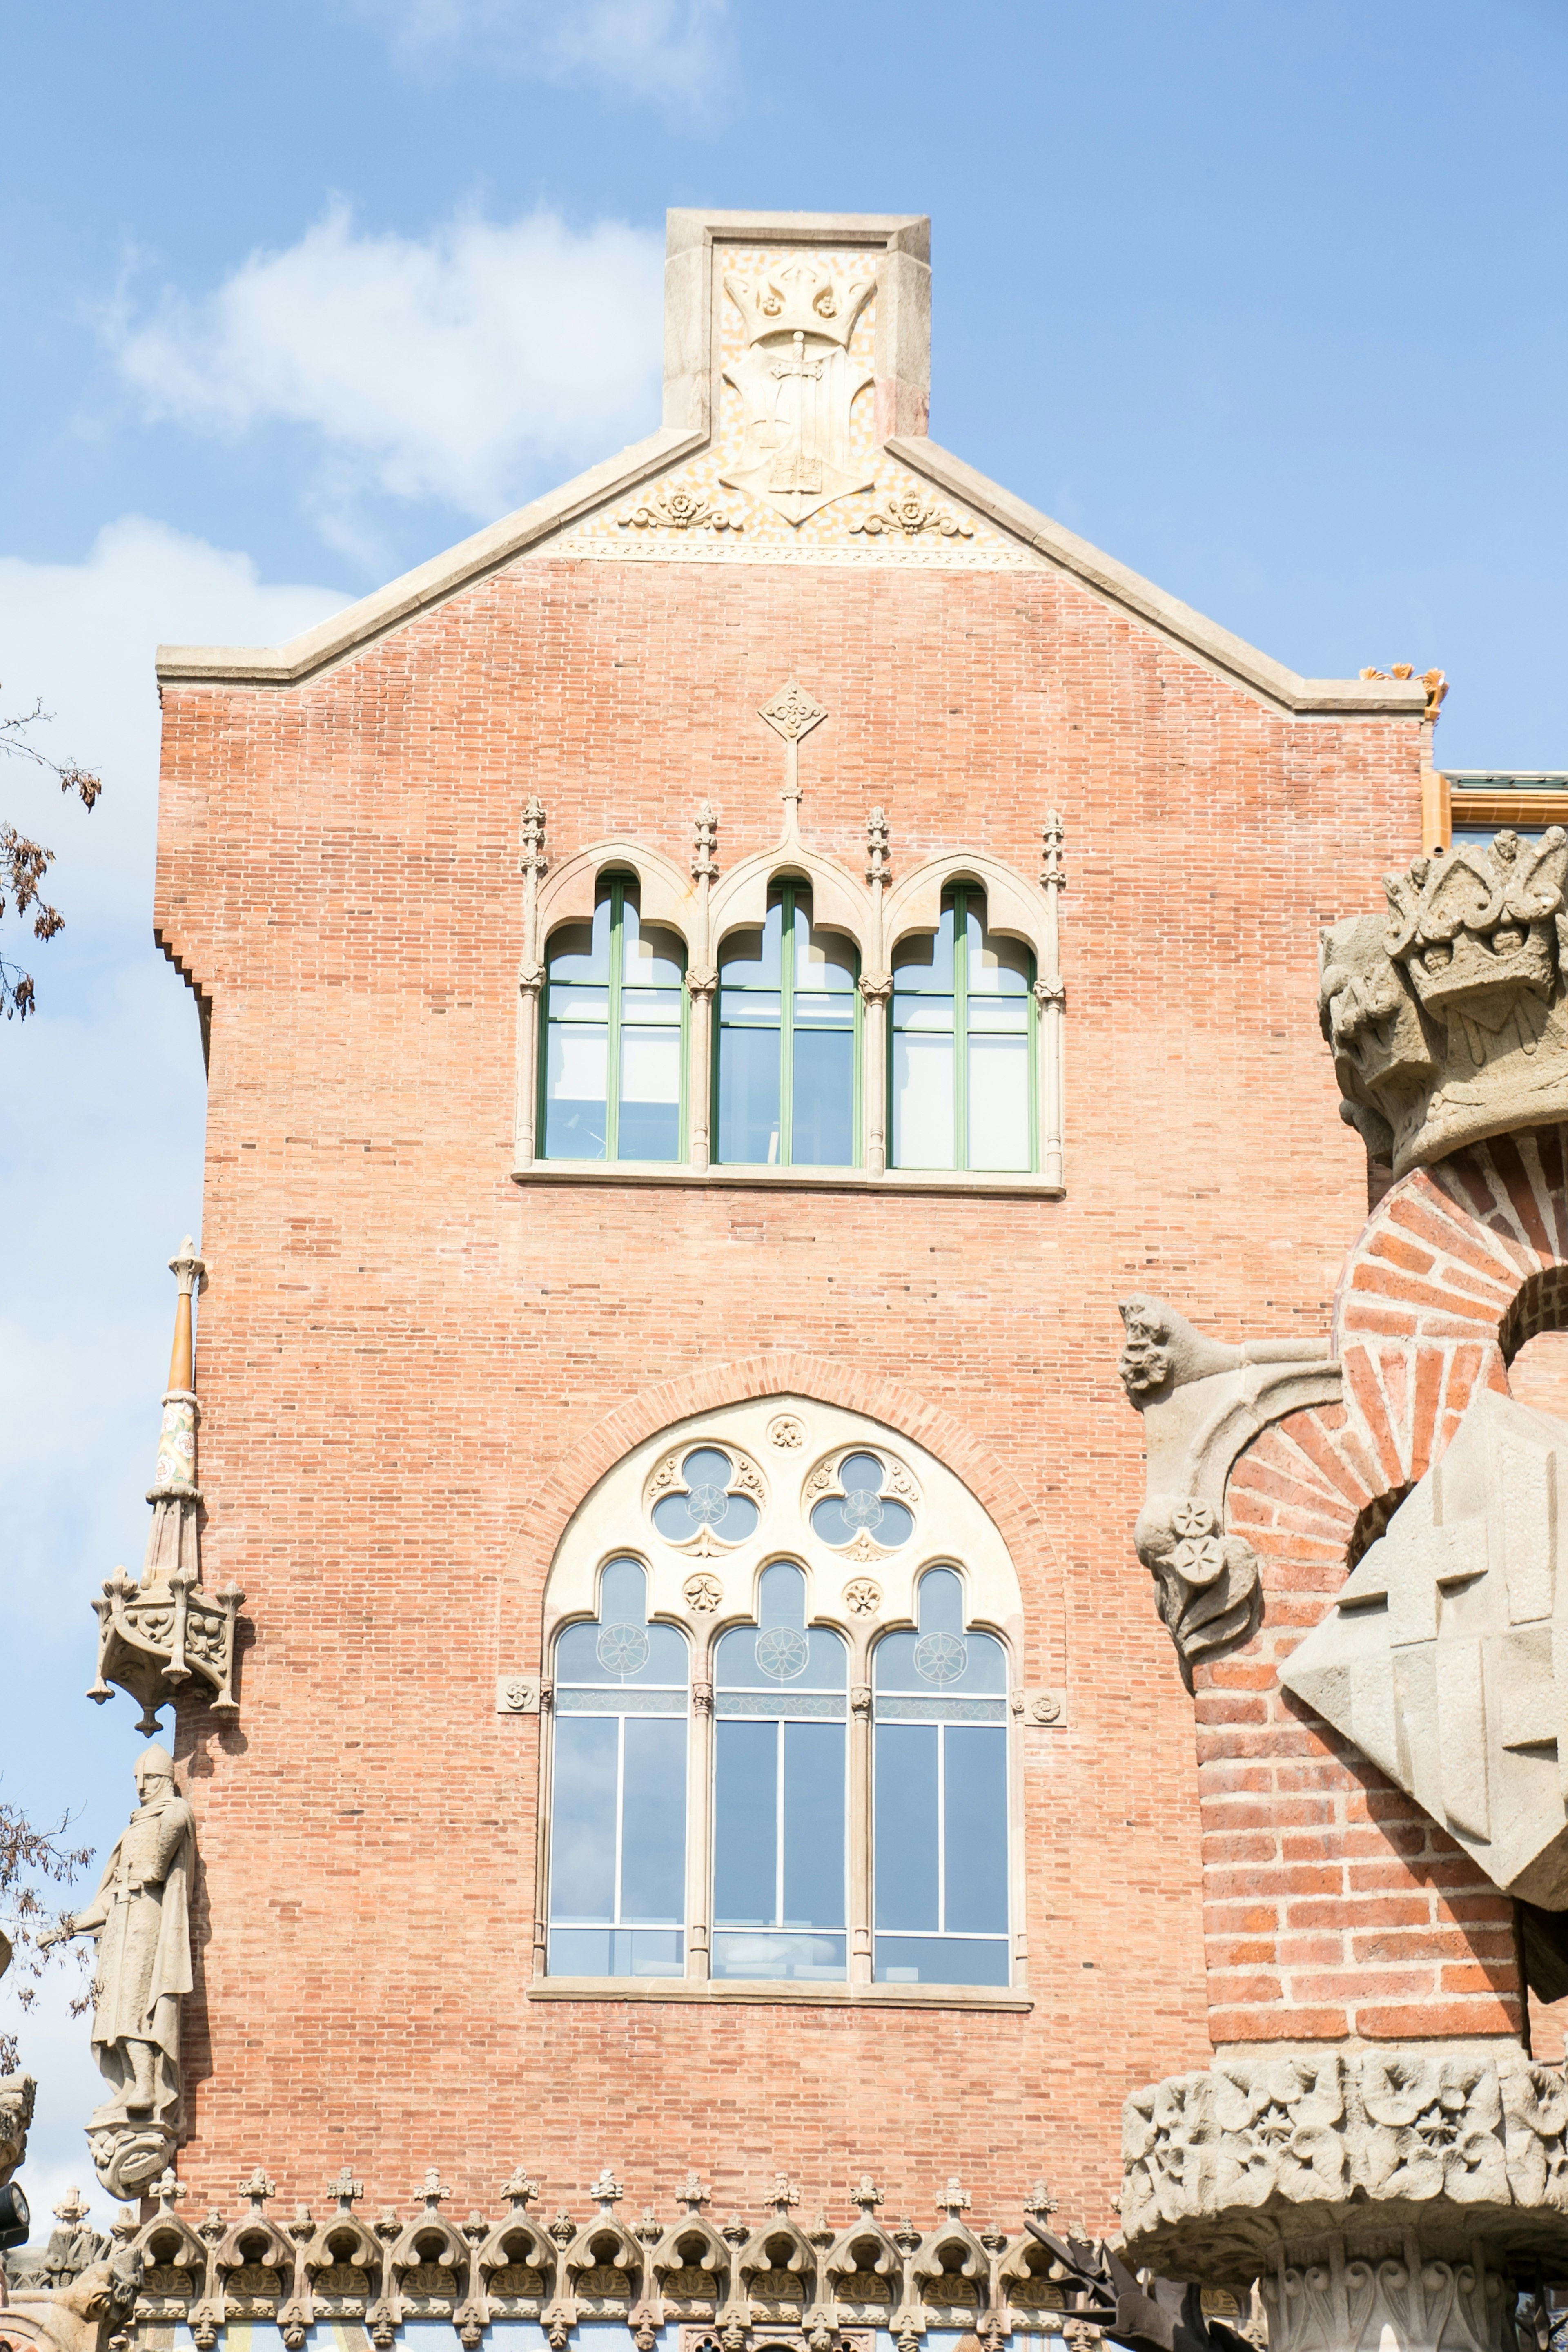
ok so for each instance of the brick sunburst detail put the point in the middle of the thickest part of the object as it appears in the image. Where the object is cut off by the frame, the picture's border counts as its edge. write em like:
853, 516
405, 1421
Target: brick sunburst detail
1334, 1904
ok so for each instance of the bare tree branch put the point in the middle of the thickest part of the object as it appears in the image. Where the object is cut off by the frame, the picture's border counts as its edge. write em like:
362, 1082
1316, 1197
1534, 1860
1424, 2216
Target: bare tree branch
30, 1861
24, 863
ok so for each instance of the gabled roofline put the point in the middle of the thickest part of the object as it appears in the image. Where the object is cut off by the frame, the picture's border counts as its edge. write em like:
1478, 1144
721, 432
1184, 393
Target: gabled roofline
902, 241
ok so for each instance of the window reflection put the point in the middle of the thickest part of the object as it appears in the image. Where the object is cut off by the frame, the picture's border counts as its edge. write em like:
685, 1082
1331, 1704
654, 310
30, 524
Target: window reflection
864, 1507
940, 1818
781, 1708
613, 1024
785, 1046
960, 1044
618, 1820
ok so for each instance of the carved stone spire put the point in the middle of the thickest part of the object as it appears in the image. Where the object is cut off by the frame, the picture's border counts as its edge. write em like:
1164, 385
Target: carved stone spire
156, 1634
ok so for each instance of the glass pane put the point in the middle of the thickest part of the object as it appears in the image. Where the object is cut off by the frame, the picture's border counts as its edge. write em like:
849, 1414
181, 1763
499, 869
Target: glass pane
745, 1825
576, 1091
939, 1601
940, 1960
658, 1008
653, 1822
838, 1522
781, 1658
581, 950
823, 959
582, 1819
823, 1133
623, 1591
975, 1790
752, 959
616, 1952
818, 1958
996, 967
678, 1517
925, 962
650, 1125
781, 1595
902, 1665
921, 1101
622, 1651
905, 1825
814, 1825
650, 957
748, 1066
999, 1102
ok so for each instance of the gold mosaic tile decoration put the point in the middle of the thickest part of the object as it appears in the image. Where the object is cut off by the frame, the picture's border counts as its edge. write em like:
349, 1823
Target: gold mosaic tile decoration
795, 473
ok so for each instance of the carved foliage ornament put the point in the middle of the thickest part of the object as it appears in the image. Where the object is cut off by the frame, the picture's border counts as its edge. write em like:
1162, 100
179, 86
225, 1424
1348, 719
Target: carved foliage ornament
1202, 1402
905, 513
1213, 2162
672, 507
1446, 1018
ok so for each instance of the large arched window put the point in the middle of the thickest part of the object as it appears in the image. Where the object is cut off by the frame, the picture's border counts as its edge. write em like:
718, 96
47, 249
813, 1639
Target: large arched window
962, 1045
940, 1867
618, 1812
780, 1702
613, 1079
785, 1074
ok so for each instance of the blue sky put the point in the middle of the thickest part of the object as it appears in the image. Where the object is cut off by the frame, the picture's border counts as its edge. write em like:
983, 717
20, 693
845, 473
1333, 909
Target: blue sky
1265, 299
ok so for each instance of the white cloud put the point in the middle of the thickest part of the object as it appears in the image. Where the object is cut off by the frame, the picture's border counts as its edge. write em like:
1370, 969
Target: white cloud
454, 367
100, 1169
669, 50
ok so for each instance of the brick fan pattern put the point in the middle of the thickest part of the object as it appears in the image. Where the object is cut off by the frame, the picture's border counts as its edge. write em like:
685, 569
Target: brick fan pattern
1334, 1904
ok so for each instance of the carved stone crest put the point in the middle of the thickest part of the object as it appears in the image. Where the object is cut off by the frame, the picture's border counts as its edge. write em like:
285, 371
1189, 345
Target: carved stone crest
1447, 1019
1445, 1657
798, 383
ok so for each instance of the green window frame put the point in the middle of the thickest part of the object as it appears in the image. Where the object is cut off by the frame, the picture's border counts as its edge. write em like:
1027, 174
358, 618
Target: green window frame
781, 1095
944, 1014
613, 1023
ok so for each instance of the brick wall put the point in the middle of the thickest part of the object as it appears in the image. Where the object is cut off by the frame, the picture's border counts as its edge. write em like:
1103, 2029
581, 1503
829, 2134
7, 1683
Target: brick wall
409, 1366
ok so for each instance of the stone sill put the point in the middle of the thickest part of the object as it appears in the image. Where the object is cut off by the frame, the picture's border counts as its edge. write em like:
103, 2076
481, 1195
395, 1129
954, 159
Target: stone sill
817, 1180
812, 1996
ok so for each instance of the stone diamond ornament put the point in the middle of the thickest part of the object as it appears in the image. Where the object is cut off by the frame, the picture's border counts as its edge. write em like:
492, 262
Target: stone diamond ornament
1444, 1658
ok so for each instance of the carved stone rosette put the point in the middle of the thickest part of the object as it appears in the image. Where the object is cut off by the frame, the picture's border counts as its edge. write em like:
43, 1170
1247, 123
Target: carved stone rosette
1446, 1018
1202, 1402
158, 1635
1376, 2199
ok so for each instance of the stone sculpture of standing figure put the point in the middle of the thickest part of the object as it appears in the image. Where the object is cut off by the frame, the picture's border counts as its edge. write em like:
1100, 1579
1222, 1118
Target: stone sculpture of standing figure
141, 1919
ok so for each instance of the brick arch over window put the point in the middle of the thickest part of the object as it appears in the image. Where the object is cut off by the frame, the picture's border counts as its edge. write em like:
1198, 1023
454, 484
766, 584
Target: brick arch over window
566, 1483
1335, 1905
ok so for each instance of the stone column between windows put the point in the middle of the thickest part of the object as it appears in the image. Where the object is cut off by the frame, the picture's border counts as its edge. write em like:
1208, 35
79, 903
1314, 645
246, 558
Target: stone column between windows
546, 1722
876, 988
699, 1815
702, 982
860, 1801
1050, 999
530, 981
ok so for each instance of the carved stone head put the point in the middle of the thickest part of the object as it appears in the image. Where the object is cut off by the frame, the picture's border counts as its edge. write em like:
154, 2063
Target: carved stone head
1145, 1364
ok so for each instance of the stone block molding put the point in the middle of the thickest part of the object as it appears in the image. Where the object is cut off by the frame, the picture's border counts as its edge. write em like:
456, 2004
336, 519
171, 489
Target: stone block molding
1335, 1903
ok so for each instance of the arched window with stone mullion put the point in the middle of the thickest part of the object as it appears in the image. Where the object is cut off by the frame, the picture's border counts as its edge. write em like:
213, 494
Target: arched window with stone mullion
780, 1709
940, 1801
786, 1041
617, 1808
612, 1079
962, 1045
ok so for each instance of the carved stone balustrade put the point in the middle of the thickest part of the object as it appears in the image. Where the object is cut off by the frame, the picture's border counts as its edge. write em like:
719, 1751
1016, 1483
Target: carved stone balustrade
1383, 2198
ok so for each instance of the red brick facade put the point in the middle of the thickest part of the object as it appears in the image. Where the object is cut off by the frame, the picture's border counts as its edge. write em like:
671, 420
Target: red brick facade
414, 1369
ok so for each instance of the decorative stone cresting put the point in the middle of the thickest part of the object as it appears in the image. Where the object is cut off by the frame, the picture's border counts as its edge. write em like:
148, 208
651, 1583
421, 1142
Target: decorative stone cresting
1202, 1402
1384, 2191
1446, 1018
788, 2275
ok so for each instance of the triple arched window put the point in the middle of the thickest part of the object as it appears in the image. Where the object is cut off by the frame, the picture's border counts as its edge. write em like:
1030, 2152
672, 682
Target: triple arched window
799, 1067
814, 1803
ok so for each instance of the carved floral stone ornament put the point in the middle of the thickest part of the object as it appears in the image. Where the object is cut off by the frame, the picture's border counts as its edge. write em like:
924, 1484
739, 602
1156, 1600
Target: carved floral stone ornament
1203, 1401
1447, 1017
798, 383
907, 513
166, 1630
1389, 2190
673, 508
